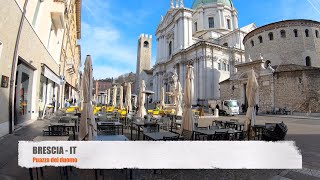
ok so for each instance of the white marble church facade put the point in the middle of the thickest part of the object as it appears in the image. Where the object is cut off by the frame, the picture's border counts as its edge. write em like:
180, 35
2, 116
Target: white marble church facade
206, 36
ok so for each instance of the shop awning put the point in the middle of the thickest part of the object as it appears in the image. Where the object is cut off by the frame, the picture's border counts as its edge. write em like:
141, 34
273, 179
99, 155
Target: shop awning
51, 75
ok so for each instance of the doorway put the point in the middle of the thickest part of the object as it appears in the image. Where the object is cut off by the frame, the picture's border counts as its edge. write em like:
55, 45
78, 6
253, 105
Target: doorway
23, 94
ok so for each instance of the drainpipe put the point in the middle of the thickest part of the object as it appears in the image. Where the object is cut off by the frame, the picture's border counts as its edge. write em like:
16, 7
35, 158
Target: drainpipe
13, 69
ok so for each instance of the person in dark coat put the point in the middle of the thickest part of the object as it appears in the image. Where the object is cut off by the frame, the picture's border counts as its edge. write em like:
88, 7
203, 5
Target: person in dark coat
257, 109
243, 107
217, 106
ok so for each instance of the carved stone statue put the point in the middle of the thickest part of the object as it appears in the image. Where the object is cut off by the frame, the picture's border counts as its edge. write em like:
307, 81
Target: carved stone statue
181, 4
171, 4
261, 56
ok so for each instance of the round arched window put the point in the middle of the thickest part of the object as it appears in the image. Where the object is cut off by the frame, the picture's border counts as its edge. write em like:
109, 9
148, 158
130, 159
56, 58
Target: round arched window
146, 44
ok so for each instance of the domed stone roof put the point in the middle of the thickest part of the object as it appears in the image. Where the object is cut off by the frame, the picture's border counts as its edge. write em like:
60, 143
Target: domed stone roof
197, 3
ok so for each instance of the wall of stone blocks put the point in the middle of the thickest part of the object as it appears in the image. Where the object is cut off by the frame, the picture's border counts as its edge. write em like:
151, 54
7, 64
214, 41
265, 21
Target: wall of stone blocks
298, 91
286, 50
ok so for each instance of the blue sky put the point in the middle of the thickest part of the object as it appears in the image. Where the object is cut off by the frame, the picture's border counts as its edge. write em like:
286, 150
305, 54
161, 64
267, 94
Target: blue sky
110, 28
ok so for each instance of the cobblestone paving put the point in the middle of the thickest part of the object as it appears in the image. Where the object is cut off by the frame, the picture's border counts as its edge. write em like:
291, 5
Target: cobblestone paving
305, 132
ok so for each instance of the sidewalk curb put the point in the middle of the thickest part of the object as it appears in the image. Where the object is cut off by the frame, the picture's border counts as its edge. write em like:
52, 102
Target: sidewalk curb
293, 117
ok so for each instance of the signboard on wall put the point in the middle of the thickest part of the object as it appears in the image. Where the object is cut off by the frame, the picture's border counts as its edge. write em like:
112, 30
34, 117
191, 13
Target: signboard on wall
4, 81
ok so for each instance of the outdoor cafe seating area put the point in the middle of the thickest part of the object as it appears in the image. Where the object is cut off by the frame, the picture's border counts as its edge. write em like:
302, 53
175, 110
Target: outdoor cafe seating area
154, 127
120, 122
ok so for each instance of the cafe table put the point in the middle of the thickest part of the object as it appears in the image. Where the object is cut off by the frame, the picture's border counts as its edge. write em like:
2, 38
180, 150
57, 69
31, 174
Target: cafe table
211, 132
158, 136
110, 138
238, 125
142, 124
117, 125
67, 125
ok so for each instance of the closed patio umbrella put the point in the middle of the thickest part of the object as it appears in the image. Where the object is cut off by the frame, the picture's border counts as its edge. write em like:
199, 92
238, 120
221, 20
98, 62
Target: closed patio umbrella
187, 116
162, 104
108, 96
128, 98
251, 92
88, 126
114, 96
121, 98
142, 110
178, 99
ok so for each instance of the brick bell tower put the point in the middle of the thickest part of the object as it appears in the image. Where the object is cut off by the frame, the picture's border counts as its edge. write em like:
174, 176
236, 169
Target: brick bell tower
143, 58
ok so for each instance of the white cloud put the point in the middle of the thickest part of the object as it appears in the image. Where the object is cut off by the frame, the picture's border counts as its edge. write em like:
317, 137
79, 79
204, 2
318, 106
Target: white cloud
102, 72
108, 50
112, 52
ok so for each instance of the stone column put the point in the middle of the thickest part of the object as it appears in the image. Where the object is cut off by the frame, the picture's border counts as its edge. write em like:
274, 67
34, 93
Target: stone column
222, 19
175, 39
200, 21
219, 18
157, 58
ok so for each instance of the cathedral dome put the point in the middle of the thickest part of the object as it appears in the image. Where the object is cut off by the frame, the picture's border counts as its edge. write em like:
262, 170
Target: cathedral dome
197, 3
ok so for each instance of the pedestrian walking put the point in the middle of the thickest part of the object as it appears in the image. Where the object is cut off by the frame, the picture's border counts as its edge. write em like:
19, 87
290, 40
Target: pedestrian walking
217, 106
243, 107
257, 109
54, 102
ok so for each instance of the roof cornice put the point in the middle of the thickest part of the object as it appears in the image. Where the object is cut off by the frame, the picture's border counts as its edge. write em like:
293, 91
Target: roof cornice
78, 16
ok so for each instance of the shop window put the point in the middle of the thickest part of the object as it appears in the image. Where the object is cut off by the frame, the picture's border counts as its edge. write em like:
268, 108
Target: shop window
219, 66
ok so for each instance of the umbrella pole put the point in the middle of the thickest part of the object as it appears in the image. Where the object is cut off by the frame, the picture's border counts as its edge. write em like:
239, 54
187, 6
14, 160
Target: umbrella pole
147, 103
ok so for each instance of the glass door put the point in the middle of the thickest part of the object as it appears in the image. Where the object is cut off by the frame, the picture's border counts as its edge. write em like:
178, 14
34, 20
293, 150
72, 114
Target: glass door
24, 94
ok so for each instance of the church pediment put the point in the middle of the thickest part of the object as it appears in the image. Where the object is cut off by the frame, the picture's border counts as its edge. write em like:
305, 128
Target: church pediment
166, 20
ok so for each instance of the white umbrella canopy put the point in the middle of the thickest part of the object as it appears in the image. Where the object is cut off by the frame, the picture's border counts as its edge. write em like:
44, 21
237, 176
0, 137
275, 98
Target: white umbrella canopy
88, 126
108, 96
142, 110
178, 99
128, 97
114, 96
162, 104
121, 98
251, 93
187, 116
